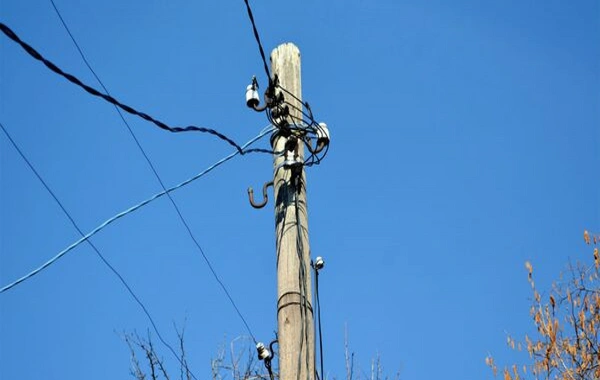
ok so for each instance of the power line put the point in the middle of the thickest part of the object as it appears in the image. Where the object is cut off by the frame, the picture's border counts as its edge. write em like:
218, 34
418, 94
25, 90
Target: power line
160, 181
130, 210
104, 260
257, 37
319, 319
81, 54
71, 78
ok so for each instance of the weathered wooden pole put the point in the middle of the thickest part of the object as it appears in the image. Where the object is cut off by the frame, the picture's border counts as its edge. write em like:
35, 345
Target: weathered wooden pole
294, 293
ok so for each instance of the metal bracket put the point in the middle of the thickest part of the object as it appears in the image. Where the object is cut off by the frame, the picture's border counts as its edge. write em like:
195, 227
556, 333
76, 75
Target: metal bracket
265, 196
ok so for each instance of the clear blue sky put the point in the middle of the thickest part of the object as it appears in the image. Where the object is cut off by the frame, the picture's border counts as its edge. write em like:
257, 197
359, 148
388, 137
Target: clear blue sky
465, 141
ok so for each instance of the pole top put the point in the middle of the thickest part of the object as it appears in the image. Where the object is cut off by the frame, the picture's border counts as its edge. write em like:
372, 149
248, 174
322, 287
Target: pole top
286, 48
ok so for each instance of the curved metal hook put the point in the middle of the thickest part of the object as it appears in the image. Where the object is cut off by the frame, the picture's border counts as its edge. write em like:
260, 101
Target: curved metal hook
265, 196
259, 109
268, 98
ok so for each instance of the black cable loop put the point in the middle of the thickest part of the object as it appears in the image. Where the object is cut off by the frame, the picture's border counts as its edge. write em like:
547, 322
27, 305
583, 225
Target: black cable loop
300, 125
278, 124
287, 294
313, 124
304, 305
314, 127
324, 153
291, 94
308, 116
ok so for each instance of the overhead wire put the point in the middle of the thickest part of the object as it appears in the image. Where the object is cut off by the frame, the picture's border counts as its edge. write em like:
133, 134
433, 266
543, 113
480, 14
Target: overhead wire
160, 181
318, 307
96, 250
257, 38
129, 211
71, 78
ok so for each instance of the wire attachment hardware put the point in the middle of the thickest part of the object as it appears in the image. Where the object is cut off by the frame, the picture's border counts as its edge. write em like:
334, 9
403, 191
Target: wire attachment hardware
322, 133
319, 263
263, 352
253, 99
322, 137
265, 196
267, 356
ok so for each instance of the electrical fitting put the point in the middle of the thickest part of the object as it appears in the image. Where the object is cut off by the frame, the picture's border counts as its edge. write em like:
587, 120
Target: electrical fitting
323, 133
322, 137
252, 98
263, 353
319, 263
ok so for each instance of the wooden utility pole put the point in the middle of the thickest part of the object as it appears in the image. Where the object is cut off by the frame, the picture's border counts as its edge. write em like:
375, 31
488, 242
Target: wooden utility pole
294, 293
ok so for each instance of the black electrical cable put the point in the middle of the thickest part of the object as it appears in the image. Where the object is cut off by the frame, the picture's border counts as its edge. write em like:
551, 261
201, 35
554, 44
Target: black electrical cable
319, 319
96, 250
324, 153
159, 179
297, 177
283, 218
269, 367
303, 114
310, 127
289, 93
268, 362
300, 109
309, 116
71, 78
83, 55
257, 37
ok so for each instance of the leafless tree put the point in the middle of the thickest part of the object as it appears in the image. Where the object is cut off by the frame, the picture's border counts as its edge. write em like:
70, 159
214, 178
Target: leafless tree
240, 362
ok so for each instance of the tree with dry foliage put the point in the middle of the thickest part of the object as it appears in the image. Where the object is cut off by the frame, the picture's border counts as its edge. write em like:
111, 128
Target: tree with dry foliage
566, 345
